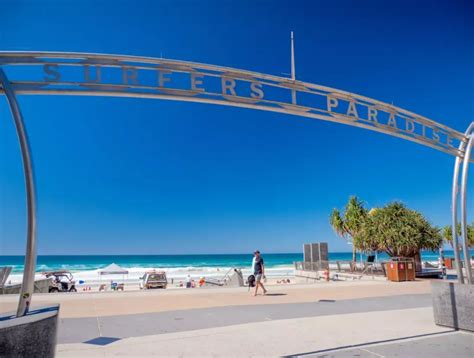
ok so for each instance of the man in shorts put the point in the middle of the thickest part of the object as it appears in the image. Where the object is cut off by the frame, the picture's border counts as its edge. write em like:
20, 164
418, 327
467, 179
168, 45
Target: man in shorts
258, 271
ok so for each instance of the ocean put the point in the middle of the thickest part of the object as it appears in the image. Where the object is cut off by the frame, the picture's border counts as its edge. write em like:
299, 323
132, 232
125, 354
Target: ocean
79, 263
177, 267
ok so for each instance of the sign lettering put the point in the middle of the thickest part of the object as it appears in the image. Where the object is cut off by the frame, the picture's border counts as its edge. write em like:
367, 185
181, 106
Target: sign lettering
136, 76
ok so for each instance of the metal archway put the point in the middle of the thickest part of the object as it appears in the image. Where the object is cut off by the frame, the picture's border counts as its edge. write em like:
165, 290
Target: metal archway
84, 74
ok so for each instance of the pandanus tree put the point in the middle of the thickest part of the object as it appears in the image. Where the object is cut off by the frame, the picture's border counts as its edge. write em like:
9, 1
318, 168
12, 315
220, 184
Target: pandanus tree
398, 231
349, 223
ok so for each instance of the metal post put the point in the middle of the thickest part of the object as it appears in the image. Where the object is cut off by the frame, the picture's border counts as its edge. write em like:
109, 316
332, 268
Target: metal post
441, 263
454, 218
465, 171
454, 209
30, 256
293, 72
293, 75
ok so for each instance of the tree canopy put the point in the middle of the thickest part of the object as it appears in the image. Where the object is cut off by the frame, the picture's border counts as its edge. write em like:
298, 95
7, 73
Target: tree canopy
398, 231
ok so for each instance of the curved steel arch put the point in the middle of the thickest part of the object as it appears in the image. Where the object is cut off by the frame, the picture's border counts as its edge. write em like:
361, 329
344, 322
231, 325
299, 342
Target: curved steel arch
261, 92
90, 74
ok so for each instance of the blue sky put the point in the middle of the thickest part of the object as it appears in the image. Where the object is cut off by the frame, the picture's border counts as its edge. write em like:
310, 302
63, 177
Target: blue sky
146, 176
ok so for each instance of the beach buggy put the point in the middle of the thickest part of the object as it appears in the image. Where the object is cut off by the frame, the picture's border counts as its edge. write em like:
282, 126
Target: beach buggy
61, 281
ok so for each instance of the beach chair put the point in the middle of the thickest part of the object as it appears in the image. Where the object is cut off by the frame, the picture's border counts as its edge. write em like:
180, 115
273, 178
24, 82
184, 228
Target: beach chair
369, 265
102, 287
120, 287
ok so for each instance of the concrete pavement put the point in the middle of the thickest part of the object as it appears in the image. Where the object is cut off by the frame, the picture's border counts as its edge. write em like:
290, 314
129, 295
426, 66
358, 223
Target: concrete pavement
286, 337
337, 319
76, 330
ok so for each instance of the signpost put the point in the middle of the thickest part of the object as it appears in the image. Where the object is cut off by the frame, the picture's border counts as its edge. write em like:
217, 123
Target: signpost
84, 74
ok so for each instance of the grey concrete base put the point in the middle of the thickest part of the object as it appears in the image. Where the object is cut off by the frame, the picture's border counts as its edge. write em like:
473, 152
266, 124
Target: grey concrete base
33, 335
453, 304
40, 286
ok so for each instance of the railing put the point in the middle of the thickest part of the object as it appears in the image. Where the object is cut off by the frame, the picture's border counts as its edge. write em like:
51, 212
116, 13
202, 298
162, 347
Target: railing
311, 266
373, 268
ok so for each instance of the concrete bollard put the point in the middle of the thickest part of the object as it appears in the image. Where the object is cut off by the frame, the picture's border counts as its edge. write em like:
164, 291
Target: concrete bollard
33, 335
453, 304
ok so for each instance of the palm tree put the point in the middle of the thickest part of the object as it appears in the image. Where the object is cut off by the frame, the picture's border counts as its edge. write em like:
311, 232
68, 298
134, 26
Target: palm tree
349, 224
448, 233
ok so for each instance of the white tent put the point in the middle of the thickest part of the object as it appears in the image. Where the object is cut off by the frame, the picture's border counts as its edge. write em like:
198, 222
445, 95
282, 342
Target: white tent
113, 269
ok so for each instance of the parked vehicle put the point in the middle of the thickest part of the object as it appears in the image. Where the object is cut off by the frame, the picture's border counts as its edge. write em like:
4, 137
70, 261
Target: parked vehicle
153, 279
61, 281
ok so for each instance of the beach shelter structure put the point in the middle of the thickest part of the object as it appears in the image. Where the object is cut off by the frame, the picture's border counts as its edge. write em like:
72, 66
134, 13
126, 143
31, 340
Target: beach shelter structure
113, 269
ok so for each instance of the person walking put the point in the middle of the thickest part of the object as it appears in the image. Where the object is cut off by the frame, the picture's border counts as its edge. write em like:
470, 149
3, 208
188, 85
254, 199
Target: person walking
258, 271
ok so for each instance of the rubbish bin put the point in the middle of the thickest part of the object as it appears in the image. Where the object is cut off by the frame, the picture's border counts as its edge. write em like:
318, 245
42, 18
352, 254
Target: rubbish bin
401, 269
449, 262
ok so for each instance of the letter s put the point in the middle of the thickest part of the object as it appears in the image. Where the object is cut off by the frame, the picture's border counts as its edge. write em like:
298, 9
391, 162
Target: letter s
51, 69
256, 90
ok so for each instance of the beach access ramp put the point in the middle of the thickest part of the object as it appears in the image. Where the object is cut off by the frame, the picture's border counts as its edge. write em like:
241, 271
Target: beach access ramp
233, 278
4, 273
40, 286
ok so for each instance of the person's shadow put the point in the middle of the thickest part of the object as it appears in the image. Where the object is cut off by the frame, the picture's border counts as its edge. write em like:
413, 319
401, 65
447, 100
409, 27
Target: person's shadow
275, 294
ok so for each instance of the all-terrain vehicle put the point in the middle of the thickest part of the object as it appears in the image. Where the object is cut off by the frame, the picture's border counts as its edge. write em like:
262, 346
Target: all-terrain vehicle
61, 281
153, 279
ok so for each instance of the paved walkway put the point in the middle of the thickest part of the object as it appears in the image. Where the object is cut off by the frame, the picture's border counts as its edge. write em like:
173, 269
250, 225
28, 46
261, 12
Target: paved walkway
369, 327
76, 330
337, 319
316, 336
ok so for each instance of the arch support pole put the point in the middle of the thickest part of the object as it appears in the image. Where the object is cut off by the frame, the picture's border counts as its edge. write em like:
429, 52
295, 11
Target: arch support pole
465, 147
27, 286
464, 233
454, 218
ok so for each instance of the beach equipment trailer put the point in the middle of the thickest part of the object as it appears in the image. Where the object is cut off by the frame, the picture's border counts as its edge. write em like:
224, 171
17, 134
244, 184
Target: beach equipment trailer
60, 281
153, 279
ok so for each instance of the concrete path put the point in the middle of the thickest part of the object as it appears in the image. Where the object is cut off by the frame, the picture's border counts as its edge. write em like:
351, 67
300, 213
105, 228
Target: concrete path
285, 337
368, 319
77, 330
370, 327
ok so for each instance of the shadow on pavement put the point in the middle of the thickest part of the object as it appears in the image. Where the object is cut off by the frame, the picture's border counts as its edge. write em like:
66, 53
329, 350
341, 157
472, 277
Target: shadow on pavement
367, 344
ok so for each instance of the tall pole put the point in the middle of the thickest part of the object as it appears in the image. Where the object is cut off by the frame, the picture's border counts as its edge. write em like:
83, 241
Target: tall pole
464, 233
454, 217
27, 286
454, 205
293, 72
